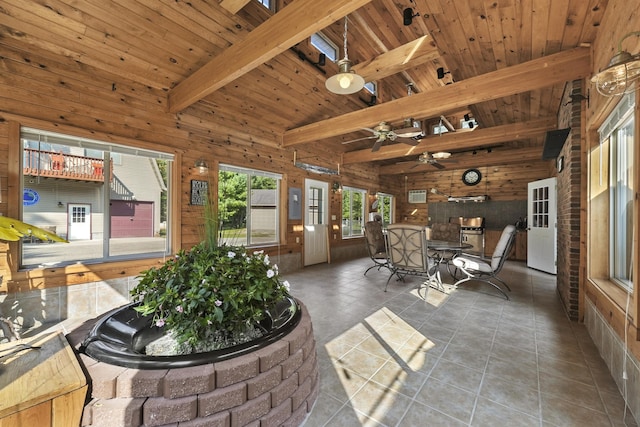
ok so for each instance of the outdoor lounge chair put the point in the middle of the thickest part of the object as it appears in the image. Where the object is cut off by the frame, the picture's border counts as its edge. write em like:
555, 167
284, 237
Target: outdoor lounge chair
476, 268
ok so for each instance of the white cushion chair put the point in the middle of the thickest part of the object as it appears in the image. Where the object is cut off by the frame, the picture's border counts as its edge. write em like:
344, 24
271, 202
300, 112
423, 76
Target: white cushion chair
476, 268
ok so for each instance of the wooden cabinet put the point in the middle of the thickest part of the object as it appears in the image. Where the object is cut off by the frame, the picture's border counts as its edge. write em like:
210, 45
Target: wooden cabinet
519, 250
42, 386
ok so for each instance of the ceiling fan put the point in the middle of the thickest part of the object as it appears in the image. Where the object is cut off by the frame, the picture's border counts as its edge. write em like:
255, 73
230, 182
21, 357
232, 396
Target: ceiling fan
434, 159
383, 132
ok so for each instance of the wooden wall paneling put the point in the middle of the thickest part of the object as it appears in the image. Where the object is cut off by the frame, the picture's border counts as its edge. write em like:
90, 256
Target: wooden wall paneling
108, 116
85, 47
67, 72
206, 124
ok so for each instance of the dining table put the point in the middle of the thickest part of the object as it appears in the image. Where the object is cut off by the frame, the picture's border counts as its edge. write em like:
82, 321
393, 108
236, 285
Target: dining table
441, 252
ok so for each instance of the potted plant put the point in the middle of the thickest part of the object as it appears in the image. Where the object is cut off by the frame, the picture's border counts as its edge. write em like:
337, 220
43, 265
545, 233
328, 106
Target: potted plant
210, 296
207, 303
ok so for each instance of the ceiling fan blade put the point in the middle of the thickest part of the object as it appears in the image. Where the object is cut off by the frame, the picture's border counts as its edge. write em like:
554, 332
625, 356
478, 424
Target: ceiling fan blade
359, 139
437, 165
409, 141
377, 145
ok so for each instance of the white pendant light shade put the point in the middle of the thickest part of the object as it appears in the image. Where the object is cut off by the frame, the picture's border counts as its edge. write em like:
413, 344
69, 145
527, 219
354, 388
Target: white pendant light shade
346, 81
622, 71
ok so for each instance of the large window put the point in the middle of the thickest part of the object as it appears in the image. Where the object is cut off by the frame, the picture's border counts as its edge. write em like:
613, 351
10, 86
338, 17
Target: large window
617, 133
248, 203
385, 208
352, 212
108, 200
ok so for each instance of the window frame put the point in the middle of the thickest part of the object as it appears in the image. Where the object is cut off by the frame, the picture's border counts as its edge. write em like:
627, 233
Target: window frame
333, 54
348, 191
110, 152
271, 4
381, 208
250, 172
617, 133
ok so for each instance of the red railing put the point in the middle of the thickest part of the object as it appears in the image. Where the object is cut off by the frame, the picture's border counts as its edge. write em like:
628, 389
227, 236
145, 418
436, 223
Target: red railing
65, 166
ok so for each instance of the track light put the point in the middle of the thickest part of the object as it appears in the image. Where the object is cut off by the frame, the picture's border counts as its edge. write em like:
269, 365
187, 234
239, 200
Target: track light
408, 15
441, 73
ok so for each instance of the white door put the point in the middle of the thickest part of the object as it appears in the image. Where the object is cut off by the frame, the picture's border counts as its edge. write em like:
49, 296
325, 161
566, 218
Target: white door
79, 222
316, 222
542, 226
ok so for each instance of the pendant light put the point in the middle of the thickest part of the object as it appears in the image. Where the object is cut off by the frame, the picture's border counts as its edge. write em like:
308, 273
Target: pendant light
622, 71
346, 81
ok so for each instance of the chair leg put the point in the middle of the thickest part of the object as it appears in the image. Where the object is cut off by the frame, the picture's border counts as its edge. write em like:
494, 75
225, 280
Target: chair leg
503, 282
373, 266
469, 279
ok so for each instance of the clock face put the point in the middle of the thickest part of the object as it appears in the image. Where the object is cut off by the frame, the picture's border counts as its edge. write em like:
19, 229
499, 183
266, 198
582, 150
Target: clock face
471, 176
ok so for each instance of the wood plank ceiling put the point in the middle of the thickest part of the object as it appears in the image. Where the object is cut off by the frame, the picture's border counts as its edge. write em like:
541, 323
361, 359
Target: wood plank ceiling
233, 64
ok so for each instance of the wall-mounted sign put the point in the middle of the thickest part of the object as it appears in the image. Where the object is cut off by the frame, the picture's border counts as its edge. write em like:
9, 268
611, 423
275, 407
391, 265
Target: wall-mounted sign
199, 192
30, 197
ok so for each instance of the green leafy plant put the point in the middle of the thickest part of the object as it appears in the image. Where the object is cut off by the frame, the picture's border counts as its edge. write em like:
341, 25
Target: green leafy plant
211, 291
206, 290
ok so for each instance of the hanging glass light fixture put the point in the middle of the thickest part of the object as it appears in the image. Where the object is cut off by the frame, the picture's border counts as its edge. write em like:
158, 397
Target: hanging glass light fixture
623, 69
346, 81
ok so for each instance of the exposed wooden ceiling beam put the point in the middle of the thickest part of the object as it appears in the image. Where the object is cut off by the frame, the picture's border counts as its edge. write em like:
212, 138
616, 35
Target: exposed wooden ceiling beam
406, 56
233, 6
535, 74
496, 157
452, 141
295, 22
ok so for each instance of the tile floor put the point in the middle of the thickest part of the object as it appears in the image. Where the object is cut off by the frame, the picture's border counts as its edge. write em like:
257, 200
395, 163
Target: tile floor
466, 358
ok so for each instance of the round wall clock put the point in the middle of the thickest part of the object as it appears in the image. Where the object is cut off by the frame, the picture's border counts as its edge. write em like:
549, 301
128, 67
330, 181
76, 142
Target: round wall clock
471, 176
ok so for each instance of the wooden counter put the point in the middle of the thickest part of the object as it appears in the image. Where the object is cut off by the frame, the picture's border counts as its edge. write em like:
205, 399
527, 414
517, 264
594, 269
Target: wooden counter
41, 387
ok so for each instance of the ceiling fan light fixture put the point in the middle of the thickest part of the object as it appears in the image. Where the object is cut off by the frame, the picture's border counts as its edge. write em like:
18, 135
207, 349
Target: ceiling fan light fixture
346, 81
440, 155
621, 72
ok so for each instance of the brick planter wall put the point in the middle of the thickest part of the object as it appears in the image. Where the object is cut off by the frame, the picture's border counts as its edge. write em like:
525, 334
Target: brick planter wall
274, 386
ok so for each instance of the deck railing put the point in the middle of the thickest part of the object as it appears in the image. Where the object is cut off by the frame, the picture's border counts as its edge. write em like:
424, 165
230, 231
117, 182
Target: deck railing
65, 166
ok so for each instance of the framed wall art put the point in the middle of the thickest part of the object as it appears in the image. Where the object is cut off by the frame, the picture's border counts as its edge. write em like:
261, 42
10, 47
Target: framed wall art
199, 191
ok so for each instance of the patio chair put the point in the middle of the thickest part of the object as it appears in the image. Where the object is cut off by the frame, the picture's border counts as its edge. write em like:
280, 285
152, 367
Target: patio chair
407, 252
476, 268
376, 247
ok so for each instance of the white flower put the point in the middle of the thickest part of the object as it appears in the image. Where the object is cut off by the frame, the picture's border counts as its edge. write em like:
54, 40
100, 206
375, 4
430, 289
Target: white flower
270, 273
231, 254
286, 285
266, 259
